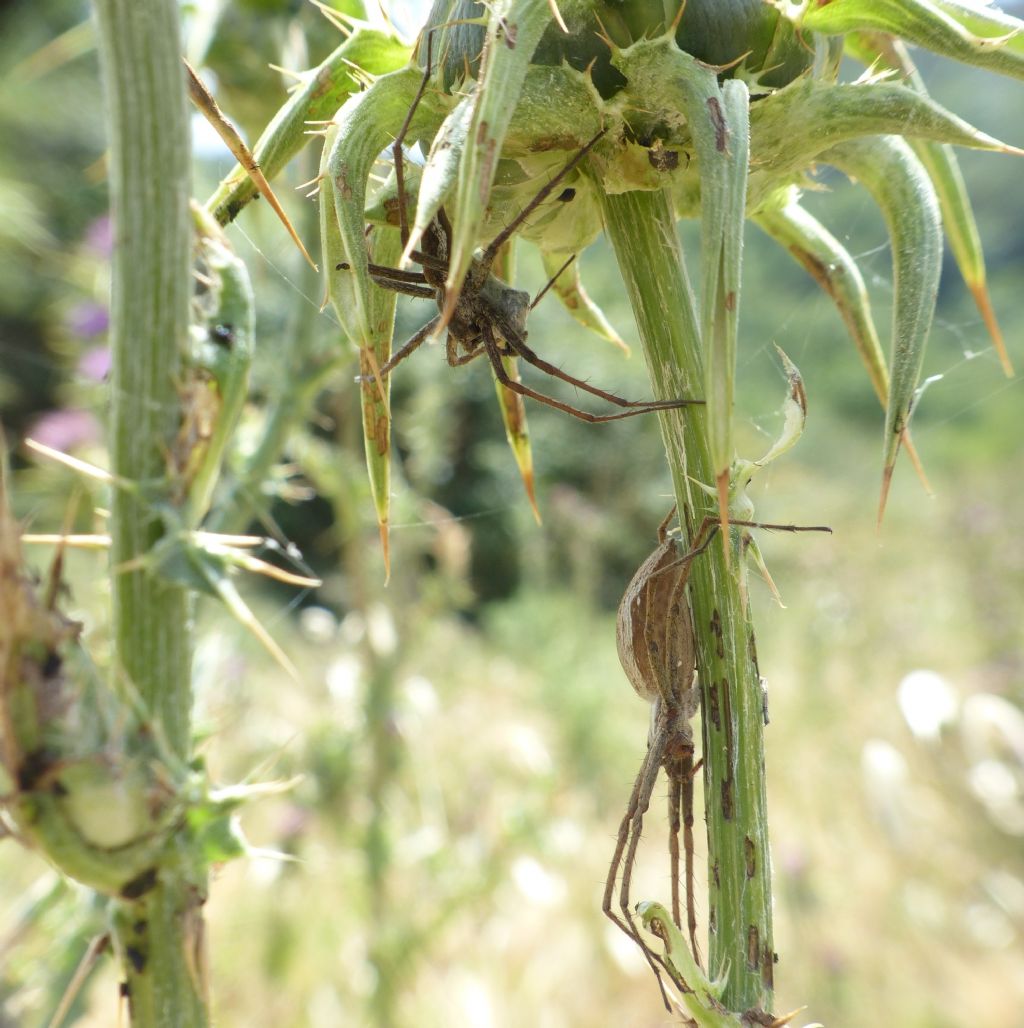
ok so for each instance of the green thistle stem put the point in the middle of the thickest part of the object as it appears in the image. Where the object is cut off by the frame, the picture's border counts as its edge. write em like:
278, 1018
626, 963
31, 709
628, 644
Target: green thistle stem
149, 185
642, 229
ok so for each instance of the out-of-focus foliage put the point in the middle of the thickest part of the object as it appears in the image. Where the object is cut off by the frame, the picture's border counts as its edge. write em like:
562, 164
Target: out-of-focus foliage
466, 737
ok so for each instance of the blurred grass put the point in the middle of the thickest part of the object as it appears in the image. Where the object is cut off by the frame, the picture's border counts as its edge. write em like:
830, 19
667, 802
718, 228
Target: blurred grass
466, 739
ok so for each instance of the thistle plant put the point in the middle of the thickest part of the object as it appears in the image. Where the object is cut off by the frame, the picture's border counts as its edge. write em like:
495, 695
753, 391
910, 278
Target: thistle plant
717, 111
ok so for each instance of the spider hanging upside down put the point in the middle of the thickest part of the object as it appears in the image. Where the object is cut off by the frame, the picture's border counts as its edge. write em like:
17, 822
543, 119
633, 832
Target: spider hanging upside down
488, 317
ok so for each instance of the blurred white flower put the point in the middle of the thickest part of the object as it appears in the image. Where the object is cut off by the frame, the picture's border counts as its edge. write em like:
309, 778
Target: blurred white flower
420, 696
886, 778
537, 884
344, 683
989, 926
527, 749
927, 701
993, 726
476, 1003
318, 624
380, 629
352, 628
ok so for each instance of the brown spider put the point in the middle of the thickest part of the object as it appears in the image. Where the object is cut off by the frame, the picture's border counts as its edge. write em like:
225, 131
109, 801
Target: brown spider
654, 636
488, 317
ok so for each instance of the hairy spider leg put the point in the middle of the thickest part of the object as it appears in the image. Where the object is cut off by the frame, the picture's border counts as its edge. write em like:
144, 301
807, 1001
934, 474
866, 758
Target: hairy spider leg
626, 843
711, 524
409, 346
494, 355
681, 772
550, 282
516, 343
483, 268
456, 359
396, 147
410, 283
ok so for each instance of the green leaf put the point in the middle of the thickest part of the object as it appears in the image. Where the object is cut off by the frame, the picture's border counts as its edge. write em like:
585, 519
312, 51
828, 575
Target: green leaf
375, 395
513, 31
701, 1002
222, 350
366, 124
568, 287
791, 128
888, 168
939, 160
965, 32
827, 261
440, 173
321, 92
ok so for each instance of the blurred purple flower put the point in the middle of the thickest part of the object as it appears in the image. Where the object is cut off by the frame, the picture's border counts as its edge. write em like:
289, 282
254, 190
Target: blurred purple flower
94, 364
88, 319
65, 429
99, 237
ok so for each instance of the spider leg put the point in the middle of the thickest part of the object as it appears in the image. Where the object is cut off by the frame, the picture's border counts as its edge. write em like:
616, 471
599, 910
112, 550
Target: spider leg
494, 356
681, 773
689, 773
550, 282
397, 274
675, 802
406, 282
417, 340
456, 360
487, 258
396, 147
517, 344
625, 853
710, 525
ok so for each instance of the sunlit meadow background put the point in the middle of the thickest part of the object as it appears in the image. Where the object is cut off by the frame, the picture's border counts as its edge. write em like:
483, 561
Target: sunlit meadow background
465, 737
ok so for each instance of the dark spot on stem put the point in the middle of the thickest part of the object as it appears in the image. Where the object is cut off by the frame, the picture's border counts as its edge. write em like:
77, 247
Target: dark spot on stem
727, 719
52, 664
223, 335
232, 210
566, 195
343, 266
727, 804
750, 856
753, 948
713, 709
768, 961
139, 885
136, 958
718, 121
716, 630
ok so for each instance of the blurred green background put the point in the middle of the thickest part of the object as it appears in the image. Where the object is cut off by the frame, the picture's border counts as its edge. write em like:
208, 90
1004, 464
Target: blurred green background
465, 736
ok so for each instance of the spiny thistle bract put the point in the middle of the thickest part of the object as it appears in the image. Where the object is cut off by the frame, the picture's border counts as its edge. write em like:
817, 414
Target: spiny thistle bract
727, 106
